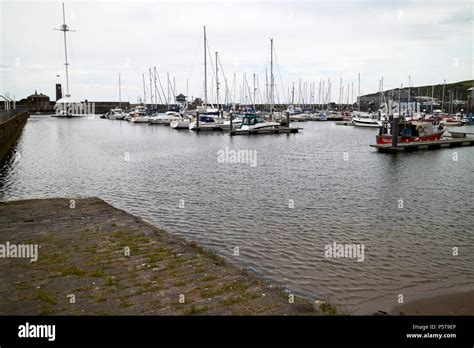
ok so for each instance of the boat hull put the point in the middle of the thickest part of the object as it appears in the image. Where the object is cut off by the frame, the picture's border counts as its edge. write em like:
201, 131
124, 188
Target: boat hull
179, 124
368, 123
387, 139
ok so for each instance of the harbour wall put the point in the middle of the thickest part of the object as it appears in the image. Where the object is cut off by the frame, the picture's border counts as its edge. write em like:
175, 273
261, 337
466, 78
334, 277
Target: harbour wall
11, 125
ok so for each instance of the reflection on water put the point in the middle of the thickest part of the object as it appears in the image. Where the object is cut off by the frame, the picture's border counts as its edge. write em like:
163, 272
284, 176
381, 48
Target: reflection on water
302, 195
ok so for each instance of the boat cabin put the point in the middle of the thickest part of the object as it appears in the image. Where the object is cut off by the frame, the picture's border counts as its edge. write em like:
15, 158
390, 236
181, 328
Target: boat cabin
251, 119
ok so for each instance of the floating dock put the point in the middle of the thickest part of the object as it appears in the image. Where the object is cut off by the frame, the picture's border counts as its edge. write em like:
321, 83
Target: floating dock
425, 145
281, 130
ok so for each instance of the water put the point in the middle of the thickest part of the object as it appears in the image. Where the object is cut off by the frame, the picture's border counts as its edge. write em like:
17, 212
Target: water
226, 205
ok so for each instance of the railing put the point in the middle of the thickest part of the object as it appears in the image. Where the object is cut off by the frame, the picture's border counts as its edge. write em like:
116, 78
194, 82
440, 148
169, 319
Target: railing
7, 114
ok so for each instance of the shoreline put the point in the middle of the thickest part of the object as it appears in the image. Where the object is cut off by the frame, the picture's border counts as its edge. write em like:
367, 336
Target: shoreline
95, 259
454, 303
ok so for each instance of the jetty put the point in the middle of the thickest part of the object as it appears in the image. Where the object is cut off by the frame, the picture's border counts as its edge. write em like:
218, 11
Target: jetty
94, 259
424, 145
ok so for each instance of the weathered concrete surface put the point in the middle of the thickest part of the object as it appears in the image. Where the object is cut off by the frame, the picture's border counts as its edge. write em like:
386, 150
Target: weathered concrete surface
82, 253
10, 130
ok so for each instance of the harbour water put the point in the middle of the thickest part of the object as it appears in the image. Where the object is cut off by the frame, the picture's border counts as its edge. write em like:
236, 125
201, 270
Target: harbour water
302, 192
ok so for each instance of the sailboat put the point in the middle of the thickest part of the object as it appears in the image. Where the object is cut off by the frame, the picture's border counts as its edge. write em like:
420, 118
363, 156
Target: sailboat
206, 116
117, 113
67, 106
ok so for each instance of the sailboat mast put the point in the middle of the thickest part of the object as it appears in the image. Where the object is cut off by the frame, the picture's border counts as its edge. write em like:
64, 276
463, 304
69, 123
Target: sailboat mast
235, 83
442, 100
168, 88
120, 93
205, 68
217, 85
358, 98
271, 78
293, 95
144, 91
151, 88
254, 92
409, 84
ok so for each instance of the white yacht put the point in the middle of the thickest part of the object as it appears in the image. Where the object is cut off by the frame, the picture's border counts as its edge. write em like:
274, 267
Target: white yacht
362, 119
252, 121
139, 115
180, 124
166, 118
206, 122
116, 114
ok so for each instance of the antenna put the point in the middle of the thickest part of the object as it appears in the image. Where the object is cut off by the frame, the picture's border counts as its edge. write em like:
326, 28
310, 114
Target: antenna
64, 28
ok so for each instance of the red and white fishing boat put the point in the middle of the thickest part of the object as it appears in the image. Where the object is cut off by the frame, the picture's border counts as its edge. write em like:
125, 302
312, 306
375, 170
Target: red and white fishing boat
410, 133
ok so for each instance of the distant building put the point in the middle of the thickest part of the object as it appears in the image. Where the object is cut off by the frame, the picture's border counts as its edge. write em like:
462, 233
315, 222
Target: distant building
180, 98
470, 98
59, 92
36, 102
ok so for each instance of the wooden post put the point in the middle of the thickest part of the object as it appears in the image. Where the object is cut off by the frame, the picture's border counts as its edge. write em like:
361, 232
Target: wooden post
395, 130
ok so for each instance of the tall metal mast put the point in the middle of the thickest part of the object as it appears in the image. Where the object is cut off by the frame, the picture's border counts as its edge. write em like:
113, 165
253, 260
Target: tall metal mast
120, 93
168, 81
144, 91
64, 28
151, 88
271, 78
205, 68
254, 92
217, 84
442, 100
358, 99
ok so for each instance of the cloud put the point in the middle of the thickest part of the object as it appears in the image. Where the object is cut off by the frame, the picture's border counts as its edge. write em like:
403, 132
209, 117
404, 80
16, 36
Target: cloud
313, 40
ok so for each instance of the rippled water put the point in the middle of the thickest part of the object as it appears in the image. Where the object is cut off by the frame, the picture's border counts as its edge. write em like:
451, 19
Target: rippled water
407, 251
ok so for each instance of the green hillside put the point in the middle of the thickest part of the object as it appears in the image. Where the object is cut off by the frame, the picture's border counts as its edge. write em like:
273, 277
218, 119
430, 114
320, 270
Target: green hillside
459, 90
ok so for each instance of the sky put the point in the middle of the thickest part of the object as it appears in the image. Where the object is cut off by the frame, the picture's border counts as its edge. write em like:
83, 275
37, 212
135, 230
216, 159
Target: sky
431, 41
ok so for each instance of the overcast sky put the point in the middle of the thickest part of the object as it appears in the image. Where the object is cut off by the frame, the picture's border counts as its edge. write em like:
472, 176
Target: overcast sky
314, 40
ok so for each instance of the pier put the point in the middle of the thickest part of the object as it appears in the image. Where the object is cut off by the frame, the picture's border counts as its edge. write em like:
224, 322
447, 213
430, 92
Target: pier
424, 145
94, 259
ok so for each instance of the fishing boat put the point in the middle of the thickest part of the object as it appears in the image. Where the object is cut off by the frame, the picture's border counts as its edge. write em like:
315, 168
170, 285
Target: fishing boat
252, 122
410, 133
